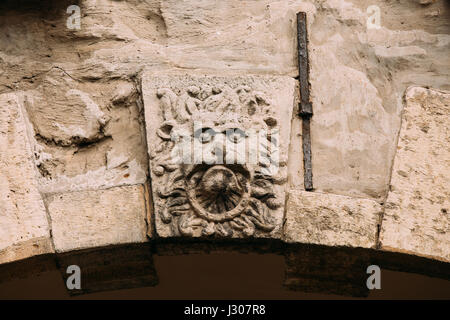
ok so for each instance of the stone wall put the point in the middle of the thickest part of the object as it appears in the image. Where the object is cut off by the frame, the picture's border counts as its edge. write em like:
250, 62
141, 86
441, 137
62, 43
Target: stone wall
79, 121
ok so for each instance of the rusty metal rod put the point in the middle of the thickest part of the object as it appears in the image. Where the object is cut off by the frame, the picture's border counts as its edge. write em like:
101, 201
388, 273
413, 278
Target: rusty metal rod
305, 106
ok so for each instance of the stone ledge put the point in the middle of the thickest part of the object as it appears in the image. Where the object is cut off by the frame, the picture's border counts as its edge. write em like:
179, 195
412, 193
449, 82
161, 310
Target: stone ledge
26, 249
332, 220
89, 219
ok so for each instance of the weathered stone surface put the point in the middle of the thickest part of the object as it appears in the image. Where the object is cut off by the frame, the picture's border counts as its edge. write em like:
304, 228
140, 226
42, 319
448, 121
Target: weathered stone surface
416, 218
218, 148
87, 136
333, 220
95, 218
295, 157
358, 74
24, 229
85, 107
65, 115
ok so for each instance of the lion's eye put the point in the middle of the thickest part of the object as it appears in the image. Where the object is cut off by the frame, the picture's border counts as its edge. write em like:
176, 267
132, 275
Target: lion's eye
205, 135
235, 135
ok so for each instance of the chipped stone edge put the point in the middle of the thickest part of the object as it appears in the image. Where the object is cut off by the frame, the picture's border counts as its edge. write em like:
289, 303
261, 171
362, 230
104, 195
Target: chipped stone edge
27, 249
41, 245
409, 91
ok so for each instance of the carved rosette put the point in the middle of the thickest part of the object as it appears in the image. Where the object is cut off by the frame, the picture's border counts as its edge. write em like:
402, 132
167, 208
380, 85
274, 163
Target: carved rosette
215, 161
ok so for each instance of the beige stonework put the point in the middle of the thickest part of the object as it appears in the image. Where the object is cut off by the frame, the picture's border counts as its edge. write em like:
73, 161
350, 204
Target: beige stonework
85, 136
332, 220
417, 218
96, 218
218, 151
358, 77
24, 229
83, 105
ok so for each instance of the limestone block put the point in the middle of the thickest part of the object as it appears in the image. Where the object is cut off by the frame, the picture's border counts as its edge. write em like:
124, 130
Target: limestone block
218, 150
416, 218
193, 34
24, 229
64, 114
352, 134
96, 218
86, 136
204, 34
333, 220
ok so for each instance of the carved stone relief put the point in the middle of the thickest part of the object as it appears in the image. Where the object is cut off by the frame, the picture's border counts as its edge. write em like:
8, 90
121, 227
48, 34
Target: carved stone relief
218, 153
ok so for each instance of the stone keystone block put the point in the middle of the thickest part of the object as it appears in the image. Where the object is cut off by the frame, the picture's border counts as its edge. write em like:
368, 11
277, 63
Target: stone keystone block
218, 150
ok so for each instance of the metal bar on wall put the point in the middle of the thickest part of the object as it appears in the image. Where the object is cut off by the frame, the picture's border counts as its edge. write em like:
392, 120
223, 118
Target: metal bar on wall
305, 106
